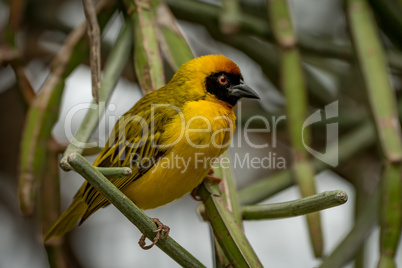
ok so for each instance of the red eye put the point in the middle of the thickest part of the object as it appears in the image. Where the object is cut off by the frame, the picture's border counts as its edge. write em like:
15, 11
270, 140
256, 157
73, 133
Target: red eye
223, 80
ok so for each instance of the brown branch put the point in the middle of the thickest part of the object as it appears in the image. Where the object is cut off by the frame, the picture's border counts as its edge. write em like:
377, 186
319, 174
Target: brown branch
95, 47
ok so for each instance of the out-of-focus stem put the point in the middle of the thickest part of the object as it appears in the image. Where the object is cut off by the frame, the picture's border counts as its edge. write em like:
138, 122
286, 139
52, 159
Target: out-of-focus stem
50, 209
172, 41
95, 46
391, 218
351, 244
204, 13
147, 58
113, 69
230, 14
293, 85
383, 106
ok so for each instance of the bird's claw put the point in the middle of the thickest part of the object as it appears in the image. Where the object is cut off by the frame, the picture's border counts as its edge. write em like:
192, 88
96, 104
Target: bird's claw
194, 194
161, 227
208, 177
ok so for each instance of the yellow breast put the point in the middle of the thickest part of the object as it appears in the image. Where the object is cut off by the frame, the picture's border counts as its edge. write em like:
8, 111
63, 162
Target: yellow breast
199, 134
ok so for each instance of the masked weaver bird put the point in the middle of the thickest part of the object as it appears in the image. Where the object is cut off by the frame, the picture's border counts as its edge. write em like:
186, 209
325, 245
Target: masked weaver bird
168, 138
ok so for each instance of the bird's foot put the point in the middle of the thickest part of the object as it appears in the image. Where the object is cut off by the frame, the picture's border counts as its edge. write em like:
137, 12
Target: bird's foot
194, 194
213, 178
161, 228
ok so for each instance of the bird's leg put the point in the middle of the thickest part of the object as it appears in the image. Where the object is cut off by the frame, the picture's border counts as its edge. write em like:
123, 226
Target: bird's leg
161, 227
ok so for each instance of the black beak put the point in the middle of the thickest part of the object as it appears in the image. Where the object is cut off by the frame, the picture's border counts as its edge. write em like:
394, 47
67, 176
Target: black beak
243, 91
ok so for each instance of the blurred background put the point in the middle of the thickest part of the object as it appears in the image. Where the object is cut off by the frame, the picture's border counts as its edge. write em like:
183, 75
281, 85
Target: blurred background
33, 32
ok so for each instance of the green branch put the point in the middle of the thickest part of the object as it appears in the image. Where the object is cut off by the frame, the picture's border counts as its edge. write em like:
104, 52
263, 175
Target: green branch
391, 214
227, 232
147, 58
374, 68
298, 207
384, 109
294, 87
229, 20
115, 172
171, 39
130, 210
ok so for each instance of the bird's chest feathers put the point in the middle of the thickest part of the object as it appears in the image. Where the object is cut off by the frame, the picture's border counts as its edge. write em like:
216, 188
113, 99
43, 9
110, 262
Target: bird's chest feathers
203, 126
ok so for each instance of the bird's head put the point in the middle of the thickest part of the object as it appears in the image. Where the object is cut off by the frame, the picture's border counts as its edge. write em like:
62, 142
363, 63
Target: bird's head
213, 77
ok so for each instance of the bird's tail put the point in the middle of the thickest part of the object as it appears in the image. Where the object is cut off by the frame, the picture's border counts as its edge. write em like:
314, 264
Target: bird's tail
68, 219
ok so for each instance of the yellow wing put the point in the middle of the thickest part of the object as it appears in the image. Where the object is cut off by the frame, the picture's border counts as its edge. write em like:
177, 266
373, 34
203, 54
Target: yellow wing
137, 142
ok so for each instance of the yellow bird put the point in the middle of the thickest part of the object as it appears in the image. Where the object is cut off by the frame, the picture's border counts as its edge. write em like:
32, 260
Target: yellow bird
169, 138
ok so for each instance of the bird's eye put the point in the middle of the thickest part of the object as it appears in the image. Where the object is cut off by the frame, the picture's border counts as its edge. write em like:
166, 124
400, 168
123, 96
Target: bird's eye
223, 80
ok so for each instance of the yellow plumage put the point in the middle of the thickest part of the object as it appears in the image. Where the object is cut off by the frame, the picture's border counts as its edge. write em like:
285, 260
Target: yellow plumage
168, 138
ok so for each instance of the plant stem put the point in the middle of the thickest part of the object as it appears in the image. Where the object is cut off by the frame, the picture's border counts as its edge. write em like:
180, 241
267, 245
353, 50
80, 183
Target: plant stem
95, 47
295, 208
391, 218
373, 66
43, 113
147, 58
115, 172
113, 69
230, 14
350, 245
292, 83
384, 109
171, 39
230, 191
227, 232
130, 210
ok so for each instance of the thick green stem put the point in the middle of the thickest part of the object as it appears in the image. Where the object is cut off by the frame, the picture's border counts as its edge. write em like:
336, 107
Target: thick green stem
228, 233
229, 20
173, 44
42, 115
384, 109
374, 68
293, 85
147, 58
391, 210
